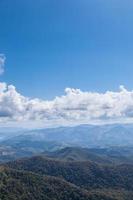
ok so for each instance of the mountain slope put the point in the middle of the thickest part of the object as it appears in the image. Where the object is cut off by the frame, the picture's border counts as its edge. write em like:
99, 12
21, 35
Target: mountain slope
112, 155
19, 185
76, 154
84, 136
87, 174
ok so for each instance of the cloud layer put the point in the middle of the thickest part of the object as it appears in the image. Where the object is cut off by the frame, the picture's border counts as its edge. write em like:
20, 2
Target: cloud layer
2, 63
74, 107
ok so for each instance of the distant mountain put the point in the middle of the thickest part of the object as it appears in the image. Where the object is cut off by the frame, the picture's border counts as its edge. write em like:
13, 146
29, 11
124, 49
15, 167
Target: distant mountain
84, 136
22, 143
9, 132
12, 150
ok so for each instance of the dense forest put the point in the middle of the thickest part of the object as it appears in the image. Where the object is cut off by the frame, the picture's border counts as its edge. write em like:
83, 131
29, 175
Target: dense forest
42, 177
86, 174
19, 185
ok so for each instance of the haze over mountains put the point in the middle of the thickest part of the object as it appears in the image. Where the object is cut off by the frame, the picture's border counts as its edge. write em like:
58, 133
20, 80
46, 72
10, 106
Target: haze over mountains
15, 143
83, 135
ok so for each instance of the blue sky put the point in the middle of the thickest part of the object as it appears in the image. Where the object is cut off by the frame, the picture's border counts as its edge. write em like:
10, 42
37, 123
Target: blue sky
51, 45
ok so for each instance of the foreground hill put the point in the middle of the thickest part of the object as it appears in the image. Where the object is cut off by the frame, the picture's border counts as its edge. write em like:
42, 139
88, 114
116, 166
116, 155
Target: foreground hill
86, 174
19, 185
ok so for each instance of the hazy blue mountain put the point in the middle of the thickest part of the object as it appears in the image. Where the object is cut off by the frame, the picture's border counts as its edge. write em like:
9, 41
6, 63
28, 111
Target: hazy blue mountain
84, 135
89, 136
15, 143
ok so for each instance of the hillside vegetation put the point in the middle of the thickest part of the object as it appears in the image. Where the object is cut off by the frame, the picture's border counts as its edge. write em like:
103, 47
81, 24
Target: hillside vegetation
58, 173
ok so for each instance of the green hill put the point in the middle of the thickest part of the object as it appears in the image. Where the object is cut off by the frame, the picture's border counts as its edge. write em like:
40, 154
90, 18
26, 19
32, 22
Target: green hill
86, 174
66, 179
76, 154
19, 185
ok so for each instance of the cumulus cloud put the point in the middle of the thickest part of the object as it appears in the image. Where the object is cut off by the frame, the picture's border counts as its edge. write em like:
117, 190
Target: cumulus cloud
74, 107
2, 63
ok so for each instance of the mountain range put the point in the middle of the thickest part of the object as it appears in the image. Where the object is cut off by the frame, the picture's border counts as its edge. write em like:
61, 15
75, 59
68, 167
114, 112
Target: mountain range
17, 143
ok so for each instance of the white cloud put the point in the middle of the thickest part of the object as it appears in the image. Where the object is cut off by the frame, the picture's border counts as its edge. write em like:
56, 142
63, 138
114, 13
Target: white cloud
2, 63
74, 107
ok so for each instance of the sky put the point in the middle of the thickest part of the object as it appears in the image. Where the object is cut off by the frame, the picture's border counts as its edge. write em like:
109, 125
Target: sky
52, 51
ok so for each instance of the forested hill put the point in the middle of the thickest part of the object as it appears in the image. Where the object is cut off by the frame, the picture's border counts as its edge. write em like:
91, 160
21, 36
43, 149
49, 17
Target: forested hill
85, 174
20, 185
71, 173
